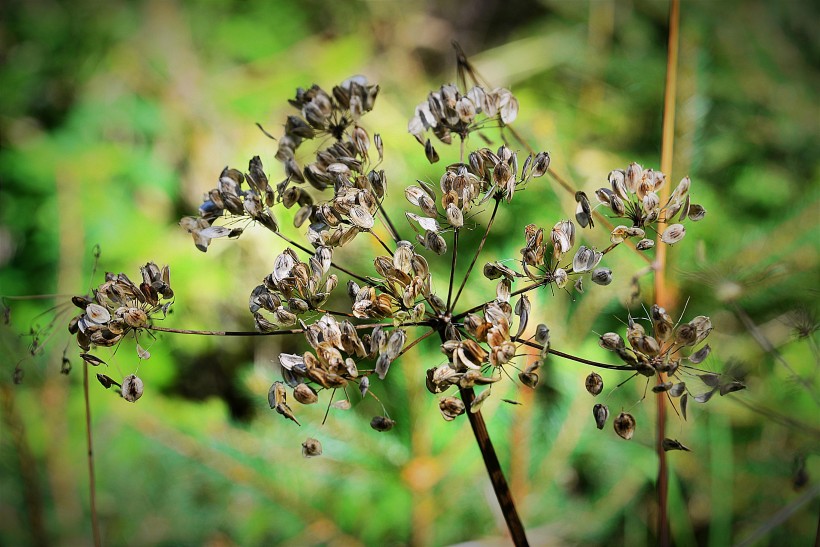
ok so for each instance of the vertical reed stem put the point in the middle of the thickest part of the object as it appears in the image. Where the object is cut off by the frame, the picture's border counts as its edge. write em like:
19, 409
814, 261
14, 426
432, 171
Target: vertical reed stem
662, 296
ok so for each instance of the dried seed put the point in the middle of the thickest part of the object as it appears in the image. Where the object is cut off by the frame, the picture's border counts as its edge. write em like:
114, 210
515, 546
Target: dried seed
305, 394
602, 276
672, 444
475, 406
382, 423
601, 414
624, 425
673, 234
132, 388
311, 447
594, 383
450, 408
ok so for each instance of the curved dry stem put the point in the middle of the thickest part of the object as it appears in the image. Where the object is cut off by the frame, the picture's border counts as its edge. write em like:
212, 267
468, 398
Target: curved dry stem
570, 356
475, 257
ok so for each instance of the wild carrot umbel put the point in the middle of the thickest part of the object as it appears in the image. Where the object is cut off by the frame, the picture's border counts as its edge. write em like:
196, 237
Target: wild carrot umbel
335, 195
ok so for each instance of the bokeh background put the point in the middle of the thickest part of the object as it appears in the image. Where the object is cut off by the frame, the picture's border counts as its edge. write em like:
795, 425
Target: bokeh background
117, 116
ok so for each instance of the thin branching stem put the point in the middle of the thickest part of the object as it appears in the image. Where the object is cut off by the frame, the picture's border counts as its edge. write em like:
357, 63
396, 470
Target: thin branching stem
275, 332
383, 244
515, 293
332, 264
477, 253
92, 486
389, 224
571, 357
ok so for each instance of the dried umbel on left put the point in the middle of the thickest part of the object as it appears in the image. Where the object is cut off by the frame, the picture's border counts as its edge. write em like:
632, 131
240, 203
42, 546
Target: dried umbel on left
117, 308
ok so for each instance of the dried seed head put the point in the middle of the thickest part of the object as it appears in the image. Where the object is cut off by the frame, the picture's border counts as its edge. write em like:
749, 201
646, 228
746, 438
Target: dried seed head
624, 425
382, 423
601, 414
132, 388
594, 383
311, 447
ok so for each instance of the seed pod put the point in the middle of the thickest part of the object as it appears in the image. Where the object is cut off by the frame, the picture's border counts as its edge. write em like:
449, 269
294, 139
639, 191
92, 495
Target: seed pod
382, 423
132, 388
601, 414
611, 341
624, 425
594, 383
542, 334
454, 216
529, 379
135, 318
311, 447
106, 381
305, 394
662, 387
672, 444
475, 406
451, 407
602, 276
364, 385
97, 314
673, 234
645, 244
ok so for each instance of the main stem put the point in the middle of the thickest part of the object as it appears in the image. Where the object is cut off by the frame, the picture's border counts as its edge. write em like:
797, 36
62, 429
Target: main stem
497, 478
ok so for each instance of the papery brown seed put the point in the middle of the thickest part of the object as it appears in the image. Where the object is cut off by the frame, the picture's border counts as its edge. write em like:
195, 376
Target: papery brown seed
382, 423
624, 425
594, 383
132, 388
311, 448
305, 394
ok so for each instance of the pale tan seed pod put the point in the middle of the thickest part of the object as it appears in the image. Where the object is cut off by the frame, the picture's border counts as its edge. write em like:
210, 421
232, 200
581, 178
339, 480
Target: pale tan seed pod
132, 388
645, 244
624, 425
311, 448
361, 218
673, 234
594, 383
305, 394
475, 406
97, 314
611, 341
135, 318
454, 216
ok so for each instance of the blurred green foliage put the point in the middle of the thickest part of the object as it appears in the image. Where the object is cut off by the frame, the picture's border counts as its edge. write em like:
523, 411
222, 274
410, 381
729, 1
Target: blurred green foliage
117, 116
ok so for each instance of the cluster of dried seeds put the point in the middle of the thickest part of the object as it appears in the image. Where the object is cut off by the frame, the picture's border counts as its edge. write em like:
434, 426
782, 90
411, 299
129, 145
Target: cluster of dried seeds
117, 308
230, 199
292, 288
448, 111
633, 195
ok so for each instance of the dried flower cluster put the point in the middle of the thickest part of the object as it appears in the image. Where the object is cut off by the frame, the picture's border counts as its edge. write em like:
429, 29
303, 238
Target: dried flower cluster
117, 308
339, 194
